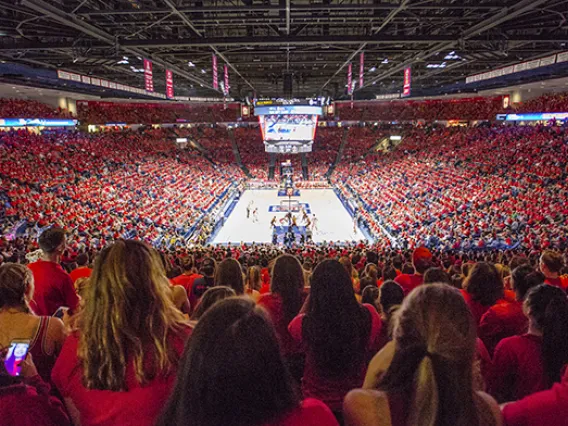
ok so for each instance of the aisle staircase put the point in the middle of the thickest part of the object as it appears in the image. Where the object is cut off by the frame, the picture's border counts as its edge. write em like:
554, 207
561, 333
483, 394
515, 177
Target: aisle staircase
237, 153
305, 166
339, 152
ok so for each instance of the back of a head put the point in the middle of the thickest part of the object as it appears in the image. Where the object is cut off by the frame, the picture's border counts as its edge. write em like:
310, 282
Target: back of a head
211, 297
208, 267
336, 327
287, 281
82, 259
391, 294
372, 271
436, 275
128, 311
223, 378
524, 278
389, 273
547, 308
254, 278
408, 269
346, 262
484, 283
16, 286
370, 294
552, 260
421, 259
230, 274
435, 343
51, 240
188, 263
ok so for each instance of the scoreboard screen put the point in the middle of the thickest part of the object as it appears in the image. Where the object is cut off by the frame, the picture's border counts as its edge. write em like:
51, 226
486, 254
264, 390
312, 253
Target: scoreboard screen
288, 123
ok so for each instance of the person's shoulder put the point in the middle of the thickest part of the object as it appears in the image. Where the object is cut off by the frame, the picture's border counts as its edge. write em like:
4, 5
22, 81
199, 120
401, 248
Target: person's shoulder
362, 406
492, 406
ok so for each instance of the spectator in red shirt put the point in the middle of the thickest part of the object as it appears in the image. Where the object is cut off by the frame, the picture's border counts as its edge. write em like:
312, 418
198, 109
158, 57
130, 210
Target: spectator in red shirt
551, 264
82, 270
119, 366
483, 287
338, 335
549, 407
505, 318
233, 374
203, 283
283, 303
430, 378
534, 361
421, 260
188, 277
53, 286
26, 400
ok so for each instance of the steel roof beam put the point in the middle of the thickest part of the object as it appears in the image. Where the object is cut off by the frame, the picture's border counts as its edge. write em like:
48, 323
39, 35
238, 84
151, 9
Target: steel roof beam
101, 35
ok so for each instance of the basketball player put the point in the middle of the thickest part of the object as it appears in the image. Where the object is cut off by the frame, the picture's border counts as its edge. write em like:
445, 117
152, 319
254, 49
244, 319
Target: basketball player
305, 217
314, 222
255, 215
273, 223
294, 224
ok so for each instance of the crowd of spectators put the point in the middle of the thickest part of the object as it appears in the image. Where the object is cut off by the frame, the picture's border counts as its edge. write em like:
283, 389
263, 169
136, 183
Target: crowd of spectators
110, 185
429, 110
323, 334
465, 188
94, 112
28, 108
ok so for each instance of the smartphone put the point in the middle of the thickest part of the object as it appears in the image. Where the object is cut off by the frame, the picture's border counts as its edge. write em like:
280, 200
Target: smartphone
17, 353
59, 313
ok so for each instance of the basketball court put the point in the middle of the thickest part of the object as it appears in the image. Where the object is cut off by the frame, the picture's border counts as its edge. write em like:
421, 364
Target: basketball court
333, 221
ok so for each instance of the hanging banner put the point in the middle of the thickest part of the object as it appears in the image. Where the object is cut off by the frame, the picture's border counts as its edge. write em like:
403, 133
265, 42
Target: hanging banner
407, 82
226, 80
148, 79
169, 84
349, 78
215, 74
361, 68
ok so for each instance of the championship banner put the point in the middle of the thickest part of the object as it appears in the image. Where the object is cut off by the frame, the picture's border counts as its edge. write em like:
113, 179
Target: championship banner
148, 75
407, 82
215, 73
350, 78
226, 79
169, 84
361, 69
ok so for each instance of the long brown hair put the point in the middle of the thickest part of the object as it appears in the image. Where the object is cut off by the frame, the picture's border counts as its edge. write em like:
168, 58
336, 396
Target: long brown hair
254, 278
15, 283
432, 366
230, 274
128, 317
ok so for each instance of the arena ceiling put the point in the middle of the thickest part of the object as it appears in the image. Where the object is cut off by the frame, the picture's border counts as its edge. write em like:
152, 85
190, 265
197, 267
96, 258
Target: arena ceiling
264, 40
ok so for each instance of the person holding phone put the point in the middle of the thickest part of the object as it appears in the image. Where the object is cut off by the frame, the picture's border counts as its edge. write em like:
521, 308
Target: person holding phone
25, 399
45, 334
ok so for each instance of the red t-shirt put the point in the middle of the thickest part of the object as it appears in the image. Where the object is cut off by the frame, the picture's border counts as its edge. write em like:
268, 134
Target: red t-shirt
504, 319
53, 288
549, 407
273, 305
311, 412
329, 390
476, 308
81, 272
30, 404
409, 282
517, 368
139, 406
561, 282
186, 281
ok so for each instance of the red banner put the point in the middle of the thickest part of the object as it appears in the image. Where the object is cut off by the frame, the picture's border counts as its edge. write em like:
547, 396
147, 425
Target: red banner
226, 74
148, 75
350, 79
361, 69
407, 82
169, 84
215, 73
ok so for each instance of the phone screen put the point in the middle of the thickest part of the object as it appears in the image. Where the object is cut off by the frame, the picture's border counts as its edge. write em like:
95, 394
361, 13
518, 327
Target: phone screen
17, 353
